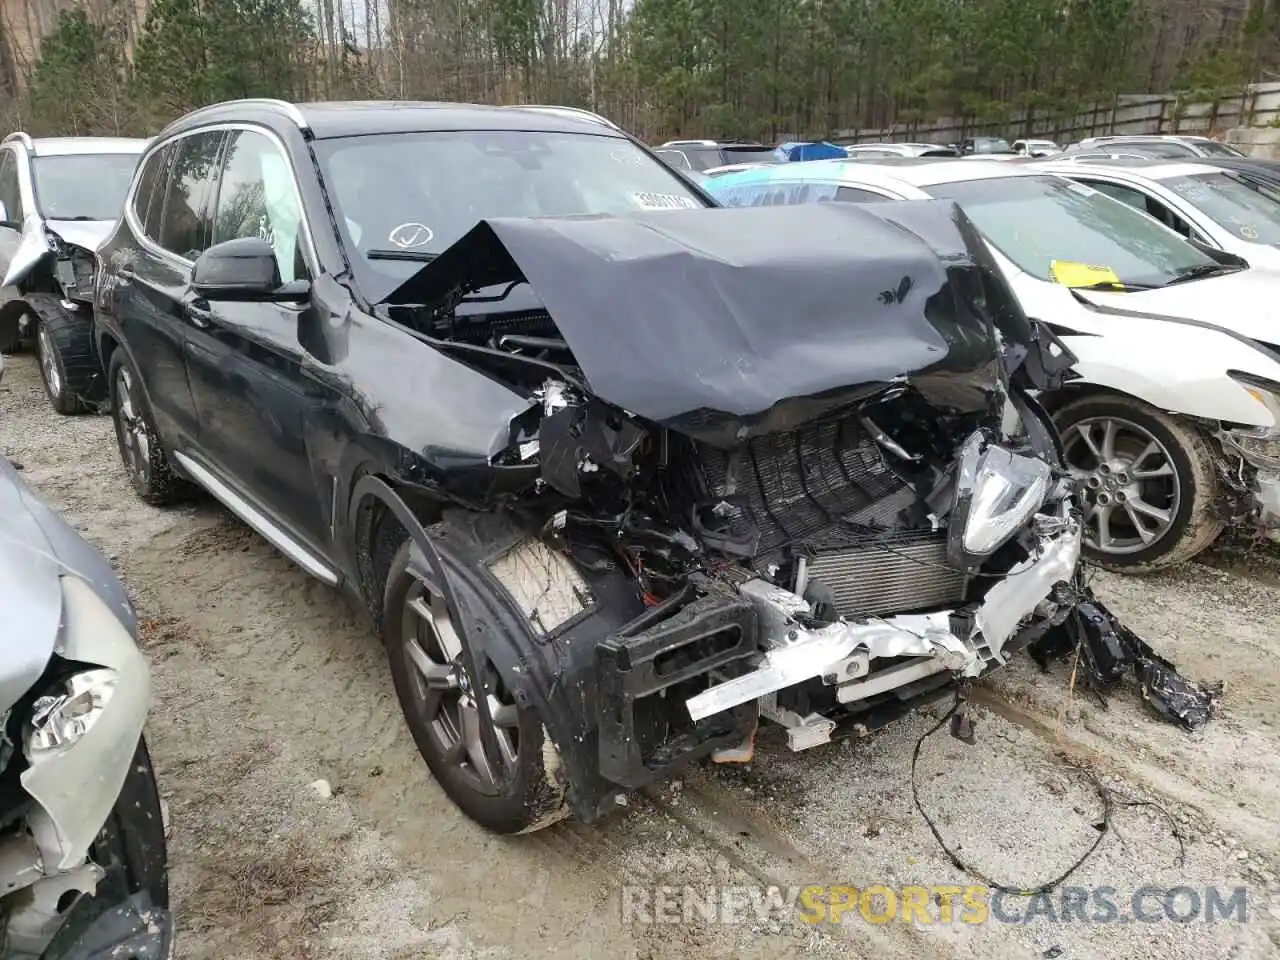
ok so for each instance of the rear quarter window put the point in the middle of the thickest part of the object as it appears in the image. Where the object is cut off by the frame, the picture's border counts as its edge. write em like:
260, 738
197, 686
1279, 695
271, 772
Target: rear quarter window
148, 199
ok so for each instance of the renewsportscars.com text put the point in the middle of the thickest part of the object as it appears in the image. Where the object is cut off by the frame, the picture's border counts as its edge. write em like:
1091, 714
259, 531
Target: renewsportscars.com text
935, 904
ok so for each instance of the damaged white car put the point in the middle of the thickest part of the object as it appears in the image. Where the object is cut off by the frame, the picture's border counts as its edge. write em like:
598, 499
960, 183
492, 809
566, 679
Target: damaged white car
1171, 415
59, 198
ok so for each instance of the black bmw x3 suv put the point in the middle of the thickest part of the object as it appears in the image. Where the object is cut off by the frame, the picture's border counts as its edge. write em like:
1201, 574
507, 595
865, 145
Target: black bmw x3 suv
615, 476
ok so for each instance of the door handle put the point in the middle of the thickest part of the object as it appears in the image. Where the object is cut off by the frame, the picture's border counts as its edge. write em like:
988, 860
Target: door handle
199, 316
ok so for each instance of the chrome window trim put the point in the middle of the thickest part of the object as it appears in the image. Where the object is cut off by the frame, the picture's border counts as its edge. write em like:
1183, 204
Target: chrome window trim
139, 232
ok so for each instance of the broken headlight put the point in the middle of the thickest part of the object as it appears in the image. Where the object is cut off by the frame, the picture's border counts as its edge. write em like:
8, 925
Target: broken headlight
62, 717
997, 493
1259, 446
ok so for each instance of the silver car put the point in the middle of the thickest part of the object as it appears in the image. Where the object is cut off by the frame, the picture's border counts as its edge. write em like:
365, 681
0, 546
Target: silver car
82, 847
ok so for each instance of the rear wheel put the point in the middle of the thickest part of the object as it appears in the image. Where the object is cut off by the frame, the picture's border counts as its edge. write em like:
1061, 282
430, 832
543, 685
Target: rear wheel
69, 364
141, 451
485, 751
1150, 484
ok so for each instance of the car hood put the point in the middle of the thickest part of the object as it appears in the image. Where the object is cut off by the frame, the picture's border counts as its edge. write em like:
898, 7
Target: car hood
89, 234
33, 244
1236, 302
692, 316
37, 548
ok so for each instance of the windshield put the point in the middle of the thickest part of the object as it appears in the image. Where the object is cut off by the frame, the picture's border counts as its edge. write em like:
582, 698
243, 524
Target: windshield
1036, 220
991, 145
1250, 213
83, 186
414, 194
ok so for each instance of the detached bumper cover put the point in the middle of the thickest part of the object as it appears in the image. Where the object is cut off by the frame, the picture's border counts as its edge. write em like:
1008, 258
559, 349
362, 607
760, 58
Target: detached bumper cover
844, 650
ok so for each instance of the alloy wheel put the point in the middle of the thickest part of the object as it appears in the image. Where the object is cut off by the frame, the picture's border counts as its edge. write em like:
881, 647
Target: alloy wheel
135, 441
447, 697
48, 362
1131, 484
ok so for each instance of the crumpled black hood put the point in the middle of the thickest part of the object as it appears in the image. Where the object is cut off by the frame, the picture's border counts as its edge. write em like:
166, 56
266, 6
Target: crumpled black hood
728, 313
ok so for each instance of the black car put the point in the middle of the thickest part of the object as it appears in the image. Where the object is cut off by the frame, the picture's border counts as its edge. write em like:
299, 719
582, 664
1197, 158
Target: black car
590, 454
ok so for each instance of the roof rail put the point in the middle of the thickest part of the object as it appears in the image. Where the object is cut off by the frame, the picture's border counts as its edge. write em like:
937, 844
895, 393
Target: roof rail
22, 138
282, 107
565, 111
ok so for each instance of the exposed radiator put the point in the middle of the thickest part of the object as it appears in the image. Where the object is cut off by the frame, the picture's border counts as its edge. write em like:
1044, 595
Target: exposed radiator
792, 486
825, 491
885, 574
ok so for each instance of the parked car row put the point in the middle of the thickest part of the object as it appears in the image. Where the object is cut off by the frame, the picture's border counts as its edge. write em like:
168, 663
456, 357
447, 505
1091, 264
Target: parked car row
618, 474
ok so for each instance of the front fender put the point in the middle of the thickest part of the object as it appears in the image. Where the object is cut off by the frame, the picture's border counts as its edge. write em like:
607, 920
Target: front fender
1183, 370
77, 785
33, 246
553, 677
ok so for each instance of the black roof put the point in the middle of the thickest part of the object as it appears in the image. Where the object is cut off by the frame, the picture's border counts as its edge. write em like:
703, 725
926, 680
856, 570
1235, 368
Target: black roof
355, 118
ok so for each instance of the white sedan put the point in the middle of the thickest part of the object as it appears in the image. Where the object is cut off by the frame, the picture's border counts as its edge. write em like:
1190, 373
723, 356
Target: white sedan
1206, 204
1172, 422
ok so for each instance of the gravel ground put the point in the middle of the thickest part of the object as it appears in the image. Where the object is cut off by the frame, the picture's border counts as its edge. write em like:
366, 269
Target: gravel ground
266, 683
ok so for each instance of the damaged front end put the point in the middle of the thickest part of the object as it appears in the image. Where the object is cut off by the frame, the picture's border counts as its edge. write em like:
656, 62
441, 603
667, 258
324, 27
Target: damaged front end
58, 255
807, 485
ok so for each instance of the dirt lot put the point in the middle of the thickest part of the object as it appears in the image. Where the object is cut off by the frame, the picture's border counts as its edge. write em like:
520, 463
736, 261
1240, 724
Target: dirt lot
267, 682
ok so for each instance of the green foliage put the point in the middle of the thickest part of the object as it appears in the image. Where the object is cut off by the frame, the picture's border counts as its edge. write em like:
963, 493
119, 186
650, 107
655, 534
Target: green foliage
76, 87
194, 52
763, 68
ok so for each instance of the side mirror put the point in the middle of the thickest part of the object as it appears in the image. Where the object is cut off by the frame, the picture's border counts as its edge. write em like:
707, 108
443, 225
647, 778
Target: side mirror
243, 269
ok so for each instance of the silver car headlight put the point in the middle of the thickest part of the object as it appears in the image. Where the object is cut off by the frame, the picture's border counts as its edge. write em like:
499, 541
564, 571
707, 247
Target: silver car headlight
61, 718
997, 493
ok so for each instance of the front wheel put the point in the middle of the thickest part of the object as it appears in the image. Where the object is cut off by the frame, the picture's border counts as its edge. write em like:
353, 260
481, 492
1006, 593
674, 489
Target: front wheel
1150, 483
69, 364
489, 761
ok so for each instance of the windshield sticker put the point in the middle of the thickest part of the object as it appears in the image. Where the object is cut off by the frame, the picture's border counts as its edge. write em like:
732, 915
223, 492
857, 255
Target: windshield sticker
1069, 273
1248, 231
628, 158
663, 201
409, 235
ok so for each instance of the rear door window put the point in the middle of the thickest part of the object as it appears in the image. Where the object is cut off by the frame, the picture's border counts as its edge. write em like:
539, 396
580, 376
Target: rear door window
189, 200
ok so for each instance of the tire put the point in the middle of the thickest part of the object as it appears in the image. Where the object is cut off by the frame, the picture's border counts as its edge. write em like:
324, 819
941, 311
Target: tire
522, 797
131, 850
69, 366
1184, 494
141, 450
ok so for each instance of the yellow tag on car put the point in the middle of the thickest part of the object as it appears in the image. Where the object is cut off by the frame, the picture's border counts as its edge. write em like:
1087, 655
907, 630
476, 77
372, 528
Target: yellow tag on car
1069, 273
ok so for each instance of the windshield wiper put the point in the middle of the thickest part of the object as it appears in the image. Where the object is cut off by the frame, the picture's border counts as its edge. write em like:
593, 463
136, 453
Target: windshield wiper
1115, 286
1202, 270
416, 256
